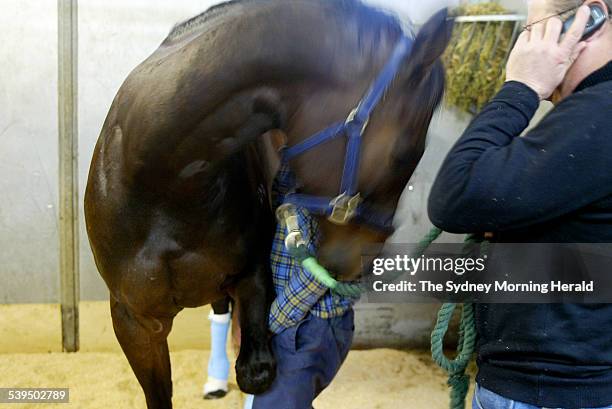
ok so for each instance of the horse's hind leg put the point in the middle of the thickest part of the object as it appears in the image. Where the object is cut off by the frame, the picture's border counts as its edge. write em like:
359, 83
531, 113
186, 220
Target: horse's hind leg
144, 342
216, 386
221, 306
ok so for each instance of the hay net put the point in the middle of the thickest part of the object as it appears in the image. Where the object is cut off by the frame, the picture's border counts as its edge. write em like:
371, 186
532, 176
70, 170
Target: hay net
476, 57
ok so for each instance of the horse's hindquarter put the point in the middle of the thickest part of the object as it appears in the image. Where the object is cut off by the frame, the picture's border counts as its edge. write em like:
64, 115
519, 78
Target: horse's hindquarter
166, 229
171, 250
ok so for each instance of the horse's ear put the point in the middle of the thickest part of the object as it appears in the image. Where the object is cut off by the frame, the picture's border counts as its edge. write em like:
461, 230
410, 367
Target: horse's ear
272, 143
431, 42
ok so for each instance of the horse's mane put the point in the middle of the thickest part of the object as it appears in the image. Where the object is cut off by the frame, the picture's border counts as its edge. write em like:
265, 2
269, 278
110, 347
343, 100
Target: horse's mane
197, 21
368, 16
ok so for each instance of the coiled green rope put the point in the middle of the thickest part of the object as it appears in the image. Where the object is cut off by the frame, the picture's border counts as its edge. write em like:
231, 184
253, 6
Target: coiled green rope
458, 380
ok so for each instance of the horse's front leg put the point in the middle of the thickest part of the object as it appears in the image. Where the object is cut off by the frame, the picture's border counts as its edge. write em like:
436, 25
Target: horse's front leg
255, 366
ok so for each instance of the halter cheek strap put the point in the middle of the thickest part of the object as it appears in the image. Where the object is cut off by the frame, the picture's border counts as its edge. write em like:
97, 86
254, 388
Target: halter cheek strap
348, 206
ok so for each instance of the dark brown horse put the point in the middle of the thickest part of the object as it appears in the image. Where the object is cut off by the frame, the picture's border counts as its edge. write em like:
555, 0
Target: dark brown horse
177, 204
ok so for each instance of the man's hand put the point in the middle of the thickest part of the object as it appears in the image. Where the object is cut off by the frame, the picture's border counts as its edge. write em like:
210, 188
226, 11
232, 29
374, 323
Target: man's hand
540, 61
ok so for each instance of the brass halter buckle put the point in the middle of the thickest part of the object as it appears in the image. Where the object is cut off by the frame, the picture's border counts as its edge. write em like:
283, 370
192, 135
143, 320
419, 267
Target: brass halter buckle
344, 208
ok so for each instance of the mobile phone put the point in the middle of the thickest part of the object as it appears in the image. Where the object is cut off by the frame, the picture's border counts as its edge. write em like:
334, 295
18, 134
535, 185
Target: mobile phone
597, 20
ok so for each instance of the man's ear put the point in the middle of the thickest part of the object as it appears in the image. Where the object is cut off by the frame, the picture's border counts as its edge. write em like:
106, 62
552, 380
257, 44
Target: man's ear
431, 42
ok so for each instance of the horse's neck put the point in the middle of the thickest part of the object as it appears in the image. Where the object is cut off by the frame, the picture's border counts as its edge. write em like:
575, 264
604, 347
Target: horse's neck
231, 54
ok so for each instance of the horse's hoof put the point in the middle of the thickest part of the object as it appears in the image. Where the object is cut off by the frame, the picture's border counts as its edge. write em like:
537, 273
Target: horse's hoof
215, 388
255, 376
215, 395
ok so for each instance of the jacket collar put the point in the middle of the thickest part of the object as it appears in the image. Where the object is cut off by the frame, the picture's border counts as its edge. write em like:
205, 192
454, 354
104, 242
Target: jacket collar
601, 75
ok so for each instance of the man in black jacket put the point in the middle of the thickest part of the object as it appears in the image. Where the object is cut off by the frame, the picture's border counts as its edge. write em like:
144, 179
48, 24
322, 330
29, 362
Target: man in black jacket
552, 185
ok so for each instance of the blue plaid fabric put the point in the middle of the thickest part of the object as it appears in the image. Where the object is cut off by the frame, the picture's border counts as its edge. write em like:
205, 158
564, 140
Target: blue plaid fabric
297, 291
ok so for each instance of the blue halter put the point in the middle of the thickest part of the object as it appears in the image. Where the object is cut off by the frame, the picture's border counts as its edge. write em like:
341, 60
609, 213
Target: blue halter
348, 206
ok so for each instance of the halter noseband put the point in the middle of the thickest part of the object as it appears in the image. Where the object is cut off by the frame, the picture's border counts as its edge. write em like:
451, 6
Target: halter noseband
348, 205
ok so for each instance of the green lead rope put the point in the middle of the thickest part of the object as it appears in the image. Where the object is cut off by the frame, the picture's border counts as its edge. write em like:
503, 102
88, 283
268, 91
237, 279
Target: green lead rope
323, 276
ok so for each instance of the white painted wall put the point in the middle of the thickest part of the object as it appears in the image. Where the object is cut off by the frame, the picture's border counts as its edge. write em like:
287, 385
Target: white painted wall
28, 152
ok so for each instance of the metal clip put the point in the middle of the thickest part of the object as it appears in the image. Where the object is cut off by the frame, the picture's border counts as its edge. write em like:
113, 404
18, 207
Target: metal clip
351, 118
286, 215
344, 208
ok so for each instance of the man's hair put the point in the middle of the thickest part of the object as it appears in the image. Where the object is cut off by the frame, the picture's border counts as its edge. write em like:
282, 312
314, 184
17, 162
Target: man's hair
563, 5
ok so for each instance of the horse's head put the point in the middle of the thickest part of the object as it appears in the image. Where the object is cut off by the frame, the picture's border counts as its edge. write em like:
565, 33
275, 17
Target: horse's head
393, 141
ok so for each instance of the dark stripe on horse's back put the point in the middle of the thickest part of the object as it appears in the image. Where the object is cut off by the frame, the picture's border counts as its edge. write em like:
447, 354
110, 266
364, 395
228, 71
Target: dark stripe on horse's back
369, 15
197, 21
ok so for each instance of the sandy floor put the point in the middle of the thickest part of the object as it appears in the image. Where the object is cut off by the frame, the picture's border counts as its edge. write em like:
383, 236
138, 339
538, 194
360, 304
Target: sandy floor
385, 379
38, 328
99, 376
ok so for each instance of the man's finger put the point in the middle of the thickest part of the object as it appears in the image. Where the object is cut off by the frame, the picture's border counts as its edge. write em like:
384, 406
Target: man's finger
523, 37
553, 30
574, 34
537, 32
580, 47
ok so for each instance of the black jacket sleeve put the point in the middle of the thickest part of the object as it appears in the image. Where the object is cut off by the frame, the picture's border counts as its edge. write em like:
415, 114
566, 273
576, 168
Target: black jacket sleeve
494, 180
